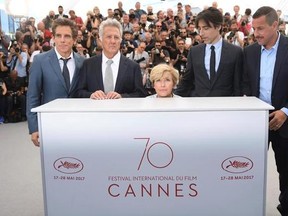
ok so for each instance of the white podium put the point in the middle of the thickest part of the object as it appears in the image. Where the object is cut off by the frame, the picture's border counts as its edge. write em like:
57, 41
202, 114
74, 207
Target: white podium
156, 157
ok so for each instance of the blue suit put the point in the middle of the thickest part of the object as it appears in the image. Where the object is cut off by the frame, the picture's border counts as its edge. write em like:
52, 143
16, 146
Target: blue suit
46, 83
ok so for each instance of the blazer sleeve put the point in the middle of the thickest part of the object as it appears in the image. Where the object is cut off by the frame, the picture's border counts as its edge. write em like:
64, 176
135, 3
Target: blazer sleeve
238, 73
83, 89
34, 94
135, 87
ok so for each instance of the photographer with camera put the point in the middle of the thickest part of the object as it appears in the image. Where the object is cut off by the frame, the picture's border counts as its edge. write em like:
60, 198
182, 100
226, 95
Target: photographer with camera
245, 24
82, 51
91, 21
143, 23
117, 15
77, 19
128, 44
234, 36
140, 56
151, 17
169, 40
126, 24
28, 30
93, 41
15, 97
17, 60
159, 55
97, 14
180, 60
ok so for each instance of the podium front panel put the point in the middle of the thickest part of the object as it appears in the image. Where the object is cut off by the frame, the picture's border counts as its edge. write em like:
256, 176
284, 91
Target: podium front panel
154, 163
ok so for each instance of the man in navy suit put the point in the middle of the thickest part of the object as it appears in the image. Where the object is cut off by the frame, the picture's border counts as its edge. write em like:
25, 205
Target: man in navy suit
124, 74
266, 77
214, 68
46, 81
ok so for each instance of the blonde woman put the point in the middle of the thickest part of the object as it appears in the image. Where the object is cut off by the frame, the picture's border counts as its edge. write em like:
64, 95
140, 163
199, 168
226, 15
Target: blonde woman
164, 78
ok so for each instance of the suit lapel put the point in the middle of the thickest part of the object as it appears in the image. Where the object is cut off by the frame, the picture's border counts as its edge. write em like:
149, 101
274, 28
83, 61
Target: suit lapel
98, 72
76, 72
280, 56
121, 73
54, 62
224, 55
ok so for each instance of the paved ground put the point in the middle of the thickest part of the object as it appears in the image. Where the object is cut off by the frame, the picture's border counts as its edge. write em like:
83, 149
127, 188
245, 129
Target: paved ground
20, 175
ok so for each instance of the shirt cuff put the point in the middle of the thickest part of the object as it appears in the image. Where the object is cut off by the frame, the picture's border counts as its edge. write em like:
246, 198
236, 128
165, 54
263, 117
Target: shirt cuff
285, 110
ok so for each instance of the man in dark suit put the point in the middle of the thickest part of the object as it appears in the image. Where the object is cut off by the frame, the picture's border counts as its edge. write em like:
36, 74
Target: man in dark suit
266, 77
53, 74
110, 75
61, 13
215, 67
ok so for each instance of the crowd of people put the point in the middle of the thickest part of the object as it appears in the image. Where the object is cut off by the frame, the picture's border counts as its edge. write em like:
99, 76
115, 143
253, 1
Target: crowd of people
149, 38
145, 54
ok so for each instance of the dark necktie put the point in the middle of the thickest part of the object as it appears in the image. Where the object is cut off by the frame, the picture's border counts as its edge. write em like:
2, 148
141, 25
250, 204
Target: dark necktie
108, 79
212, 64
65, 73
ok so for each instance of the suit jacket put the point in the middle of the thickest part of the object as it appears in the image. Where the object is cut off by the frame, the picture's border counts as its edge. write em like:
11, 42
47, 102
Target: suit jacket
64, 16
251, 80
46, 83
128, 83
195, 81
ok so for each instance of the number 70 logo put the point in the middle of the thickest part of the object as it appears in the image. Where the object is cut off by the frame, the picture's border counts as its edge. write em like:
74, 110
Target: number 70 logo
154, 153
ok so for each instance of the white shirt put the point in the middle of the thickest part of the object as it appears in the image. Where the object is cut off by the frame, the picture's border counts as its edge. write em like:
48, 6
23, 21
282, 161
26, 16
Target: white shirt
114, 66
70, 64
218, 50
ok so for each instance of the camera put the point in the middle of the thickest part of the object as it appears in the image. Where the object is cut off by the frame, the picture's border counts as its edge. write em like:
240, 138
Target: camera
157, 51
176, 18
140, 60
152, 26
132, 16
193, 34
17, 49
99, 16
85, 52
225, 29
243, 23
136, 36
94, 34
173, 32
231, 35
28, 23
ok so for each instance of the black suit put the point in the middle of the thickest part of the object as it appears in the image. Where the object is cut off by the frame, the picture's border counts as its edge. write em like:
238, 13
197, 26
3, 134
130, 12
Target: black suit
195, 82
63, 15
279, 98
128, 83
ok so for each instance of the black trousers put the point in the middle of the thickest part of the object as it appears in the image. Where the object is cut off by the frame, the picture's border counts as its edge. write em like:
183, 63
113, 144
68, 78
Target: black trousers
280, 148
13, 101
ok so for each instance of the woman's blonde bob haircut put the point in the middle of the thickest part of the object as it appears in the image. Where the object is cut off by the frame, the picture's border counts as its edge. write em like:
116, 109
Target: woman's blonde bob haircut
158, 71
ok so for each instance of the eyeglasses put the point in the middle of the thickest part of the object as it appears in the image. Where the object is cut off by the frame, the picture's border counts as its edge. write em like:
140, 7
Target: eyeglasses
158, 25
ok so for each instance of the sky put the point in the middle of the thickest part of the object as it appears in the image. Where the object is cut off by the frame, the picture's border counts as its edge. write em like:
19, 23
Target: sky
39, 8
